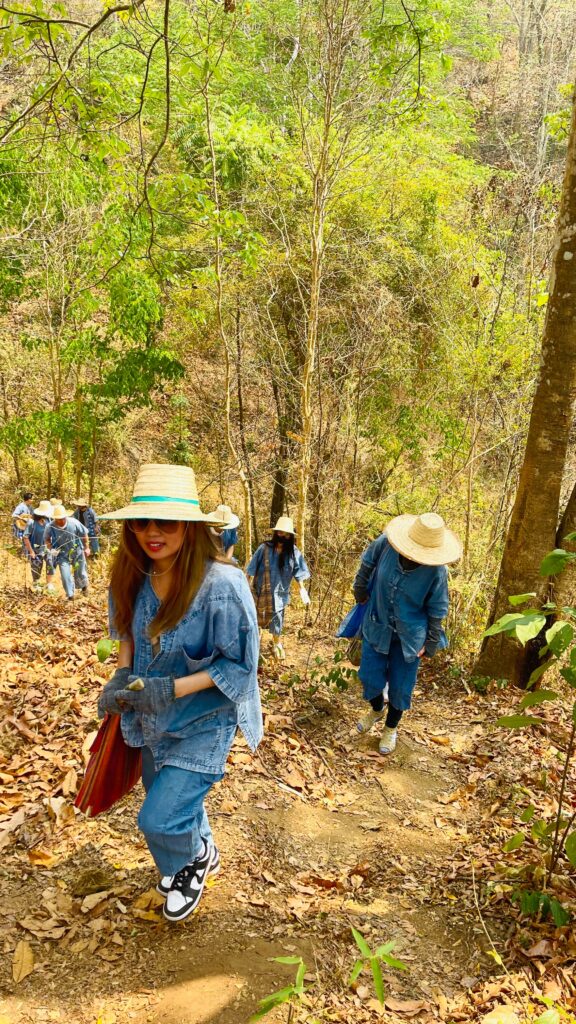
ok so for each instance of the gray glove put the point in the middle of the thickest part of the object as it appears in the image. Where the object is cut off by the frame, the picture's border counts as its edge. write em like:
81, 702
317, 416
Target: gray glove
154, 696
107, 699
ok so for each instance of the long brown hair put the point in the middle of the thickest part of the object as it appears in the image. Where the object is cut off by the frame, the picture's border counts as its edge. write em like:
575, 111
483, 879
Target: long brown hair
131, 564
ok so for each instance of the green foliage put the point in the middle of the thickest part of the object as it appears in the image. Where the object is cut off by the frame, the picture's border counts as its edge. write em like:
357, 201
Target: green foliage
373, 960
105, 647
290, 994
540, 905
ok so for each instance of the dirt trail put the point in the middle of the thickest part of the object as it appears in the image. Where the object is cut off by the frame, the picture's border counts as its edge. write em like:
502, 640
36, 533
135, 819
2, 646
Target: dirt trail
317, 832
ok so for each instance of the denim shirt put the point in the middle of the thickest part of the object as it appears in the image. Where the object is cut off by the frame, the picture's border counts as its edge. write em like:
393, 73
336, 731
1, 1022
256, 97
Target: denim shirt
280, 579
219, 635
400, 601
35, 532
229, 539
89, 519
67, 541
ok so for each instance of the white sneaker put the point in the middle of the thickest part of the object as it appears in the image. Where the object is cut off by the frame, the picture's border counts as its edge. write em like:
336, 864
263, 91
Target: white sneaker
51, 589
388, 740
187, 887
279, 652
165, 883
368, 720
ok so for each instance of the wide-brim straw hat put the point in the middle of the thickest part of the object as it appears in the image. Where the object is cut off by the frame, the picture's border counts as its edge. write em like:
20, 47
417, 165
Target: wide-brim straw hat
286, 525
44, 509
224, 516
59, 512
81, 502
425, 539
163, 491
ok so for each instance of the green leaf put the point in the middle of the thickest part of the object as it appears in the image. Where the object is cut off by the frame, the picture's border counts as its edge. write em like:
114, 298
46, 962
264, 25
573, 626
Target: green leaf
274, 999
559, 637
356, 971
514, 843
530, 628
378, 979
570, 538
537, 697
391, 961
299, 982
504, 625
569, 674
105, 647
362, 944
570, 848
560, 916
387, 947
555, 561
517, 721
550, 1016
528, 814
520, 598
287, 959
539, 672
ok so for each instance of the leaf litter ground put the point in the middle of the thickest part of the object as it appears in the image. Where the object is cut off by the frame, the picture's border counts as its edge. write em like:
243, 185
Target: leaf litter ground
317, 833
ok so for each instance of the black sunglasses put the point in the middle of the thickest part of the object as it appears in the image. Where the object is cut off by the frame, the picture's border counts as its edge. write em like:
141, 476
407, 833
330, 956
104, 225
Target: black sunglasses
164, 525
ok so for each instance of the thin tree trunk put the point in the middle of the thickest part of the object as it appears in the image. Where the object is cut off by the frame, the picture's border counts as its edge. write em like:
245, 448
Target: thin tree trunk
534, 521
223, 334
242, 425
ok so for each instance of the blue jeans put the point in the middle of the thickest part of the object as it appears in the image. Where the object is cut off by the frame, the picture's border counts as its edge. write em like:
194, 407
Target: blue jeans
377, 669
277, 623
94, 545
172, 817
73, 575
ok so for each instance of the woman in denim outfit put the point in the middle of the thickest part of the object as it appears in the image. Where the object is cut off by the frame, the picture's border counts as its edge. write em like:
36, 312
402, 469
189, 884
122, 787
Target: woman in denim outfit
404, 579
286, 563
187, 671
34, 541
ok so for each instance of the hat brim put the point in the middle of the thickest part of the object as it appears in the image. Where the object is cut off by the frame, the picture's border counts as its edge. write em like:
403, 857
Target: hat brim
397, 533
152, 510
233, 522
42, 512
280, 529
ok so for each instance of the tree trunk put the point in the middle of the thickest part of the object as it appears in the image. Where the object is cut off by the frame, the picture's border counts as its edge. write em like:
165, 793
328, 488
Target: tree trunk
534, 521
564, 592
242, 427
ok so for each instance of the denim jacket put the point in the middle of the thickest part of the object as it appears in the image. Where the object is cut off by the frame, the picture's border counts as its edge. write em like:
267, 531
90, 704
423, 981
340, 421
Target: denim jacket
89, 519
400, 601
67, 541
219, 635
280, 579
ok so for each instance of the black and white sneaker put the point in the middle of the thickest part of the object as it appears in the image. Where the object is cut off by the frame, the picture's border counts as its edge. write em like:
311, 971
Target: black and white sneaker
187, 887
165, 883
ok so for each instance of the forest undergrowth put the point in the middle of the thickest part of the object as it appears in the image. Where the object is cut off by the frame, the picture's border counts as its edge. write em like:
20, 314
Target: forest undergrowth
318, 834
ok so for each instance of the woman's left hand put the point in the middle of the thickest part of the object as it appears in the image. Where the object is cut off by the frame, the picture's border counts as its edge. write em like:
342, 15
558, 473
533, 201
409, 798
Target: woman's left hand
421, 652
156, 694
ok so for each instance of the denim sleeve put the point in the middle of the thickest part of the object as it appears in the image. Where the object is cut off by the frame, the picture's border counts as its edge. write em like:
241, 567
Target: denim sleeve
254, 562
437, 600
433, 636
113, 632
368, 563
301, 570
235, 670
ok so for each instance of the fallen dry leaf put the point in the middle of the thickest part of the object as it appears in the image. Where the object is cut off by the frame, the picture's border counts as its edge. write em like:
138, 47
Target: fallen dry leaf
41, 858
409, 1007
504, 1014
22, 961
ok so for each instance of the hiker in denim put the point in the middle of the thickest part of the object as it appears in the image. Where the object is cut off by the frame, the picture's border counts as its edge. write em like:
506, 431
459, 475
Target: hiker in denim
86, 515
68, 546
186, 744
36, 552
406, 602
294, 568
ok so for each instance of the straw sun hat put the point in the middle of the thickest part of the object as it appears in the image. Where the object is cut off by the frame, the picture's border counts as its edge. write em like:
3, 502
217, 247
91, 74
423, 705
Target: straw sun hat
80, 502
286, 525
424, 539
223, 516
163, 491
59, 512
44, 509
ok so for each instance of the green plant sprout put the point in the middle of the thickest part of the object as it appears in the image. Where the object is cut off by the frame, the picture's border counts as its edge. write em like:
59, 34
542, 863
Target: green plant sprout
373, 961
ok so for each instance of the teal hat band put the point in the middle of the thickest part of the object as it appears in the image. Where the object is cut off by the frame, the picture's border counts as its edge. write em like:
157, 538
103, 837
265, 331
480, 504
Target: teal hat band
156, 497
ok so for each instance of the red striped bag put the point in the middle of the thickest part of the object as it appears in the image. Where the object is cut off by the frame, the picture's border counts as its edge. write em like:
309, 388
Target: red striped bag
113, 770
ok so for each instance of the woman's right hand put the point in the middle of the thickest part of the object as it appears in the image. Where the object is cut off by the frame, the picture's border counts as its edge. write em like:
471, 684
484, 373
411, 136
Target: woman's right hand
107, 699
